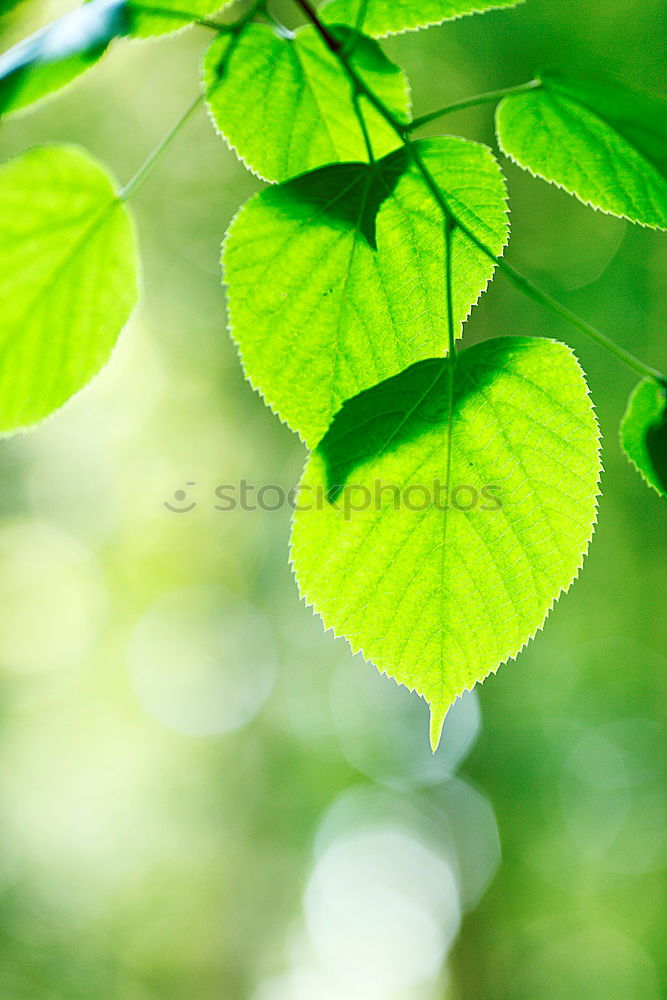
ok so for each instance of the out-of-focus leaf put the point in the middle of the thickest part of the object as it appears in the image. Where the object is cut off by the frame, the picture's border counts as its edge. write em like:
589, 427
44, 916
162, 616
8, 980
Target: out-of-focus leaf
599, 141
56, 55
438, 580
644, 433
68, 278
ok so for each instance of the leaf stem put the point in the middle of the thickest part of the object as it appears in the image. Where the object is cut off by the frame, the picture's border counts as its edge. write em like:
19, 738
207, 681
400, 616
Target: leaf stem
543, 298
361, 16
471, 102
149, 164
516, 277
145, 170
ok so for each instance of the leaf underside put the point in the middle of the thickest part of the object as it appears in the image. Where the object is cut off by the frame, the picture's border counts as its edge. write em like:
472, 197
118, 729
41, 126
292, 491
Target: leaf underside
389, 17
644, 433
336, 279
601, 142
68, 278
284, 106
439, 599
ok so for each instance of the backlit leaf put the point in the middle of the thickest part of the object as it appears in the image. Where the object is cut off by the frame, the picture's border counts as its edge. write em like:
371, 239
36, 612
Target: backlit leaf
336, 279
159, 17
67, 278
601, 142
439, 598
644, 433
284, 105
389, 17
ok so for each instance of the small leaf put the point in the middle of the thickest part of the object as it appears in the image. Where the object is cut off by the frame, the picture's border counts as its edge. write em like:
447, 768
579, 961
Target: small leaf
439, 598
601, 142
56, 55
160, 17
389, 17
336, 279
644, 433
283, 104
67, 278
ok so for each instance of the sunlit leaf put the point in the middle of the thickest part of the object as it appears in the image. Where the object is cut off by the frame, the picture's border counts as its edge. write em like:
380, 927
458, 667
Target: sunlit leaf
644, 433
67, 278
438, 598
599, 141
388, 17
282, 102
56, 55
159, 17
336, 280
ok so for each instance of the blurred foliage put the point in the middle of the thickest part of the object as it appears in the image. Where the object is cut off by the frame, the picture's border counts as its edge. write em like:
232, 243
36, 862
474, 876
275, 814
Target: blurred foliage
202, 795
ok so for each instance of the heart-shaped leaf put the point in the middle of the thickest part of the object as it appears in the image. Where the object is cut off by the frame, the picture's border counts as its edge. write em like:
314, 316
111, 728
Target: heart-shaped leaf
68, 278
599, 141
336, 280
283, 104
438, 577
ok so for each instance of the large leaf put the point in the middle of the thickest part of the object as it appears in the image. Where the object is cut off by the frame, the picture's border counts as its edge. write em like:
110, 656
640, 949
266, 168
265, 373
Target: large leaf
601, 142
440, 598
283, 104
67, 278
56, 55
389, 17
644, 433
336, 280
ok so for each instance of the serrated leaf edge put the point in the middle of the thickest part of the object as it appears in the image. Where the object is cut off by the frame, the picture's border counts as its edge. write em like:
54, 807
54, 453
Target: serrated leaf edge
556, 597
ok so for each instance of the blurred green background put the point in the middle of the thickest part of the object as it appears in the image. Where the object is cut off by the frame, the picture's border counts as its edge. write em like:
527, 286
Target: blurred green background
202, 796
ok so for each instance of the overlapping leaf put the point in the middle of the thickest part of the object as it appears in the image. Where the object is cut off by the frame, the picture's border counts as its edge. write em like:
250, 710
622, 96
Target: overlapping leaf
644, 433
601, 142
438, 597
336, 279
282, 102
388, 17
67, 279
56, 55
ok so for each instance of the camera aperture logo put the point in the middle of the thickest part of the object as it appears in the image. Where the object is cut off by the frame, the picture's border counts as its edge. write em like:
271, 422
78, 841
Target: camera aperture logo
350, 499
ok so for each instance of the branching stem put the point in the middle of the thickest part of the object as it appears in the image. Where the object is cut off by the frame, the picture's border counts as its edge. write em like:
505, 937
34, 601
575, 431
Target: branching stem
149, 164
151, 161
470, 102
516, 277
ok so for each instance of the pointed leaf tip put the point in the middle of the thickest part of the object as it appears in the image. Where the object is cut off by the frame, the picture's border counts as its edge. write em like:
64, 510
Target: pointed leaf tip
438, 581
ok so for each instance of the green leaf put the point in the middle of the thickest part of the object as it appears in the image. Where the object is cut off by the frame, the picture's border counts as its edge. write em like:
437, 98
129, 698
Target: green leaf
599, 141
389, 17
56, 55
438, 598
159, 17
336, 280
644, 433
283, 104
67, 278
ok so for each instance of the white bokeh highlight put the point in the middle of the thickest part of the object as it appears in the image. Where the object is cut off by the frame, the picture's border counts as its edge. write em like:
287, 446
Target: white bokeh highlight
202, 661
